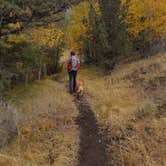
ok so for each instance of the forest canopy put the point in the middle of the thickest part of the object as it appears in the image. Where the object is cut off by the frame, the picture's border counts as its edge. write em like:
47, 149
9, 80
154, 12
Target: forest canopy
34, 33
30, 38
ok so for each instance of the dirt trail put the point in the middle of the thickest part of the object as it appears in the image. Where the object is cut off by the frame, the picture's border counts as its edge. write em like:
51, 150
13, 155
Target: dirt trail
92, 151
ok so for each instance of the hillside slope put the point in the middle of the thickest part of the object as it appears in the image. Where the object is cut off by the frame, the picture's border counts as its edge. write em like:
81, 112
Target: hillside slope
47, 133
124, 113
131, 102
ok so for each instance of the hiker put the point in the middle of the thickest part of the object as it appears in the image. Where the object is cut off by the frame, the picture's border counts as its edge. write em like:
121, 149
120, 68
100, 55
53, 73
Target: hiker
73, 66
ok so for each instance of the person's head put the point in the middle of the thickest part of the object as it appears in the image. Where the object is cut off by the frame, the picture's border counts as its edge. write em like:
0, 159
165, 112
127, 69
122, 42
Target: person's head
72, 53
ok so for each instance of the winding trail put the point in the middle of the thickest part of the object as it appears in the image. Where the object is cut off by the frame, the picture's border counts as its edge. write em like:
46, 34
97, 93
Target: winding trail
92, 151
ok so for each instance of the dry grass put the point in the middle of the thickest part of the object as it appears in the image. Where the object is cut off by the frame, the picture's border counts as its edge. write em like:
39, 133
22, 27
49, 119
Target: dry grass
47, 131
131, 102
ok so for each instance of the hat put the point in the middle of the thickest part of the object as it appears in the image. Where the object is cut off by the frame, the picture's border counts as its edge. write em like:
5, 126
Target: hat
73, 53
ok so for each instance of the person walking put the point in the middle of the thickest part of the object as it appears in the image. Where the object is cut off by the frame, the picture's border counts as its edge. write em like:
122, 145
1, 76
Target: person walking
73, 65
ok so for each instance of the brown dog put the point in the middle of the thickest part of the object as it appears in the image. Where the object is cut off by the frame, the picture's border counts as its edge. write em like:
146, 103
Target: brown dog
80, 88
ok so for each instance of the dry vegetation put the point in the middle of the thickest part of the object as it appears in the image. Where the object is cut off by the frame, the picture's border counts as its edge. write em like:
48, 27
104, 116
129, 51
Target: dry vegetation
131, 103
47, 134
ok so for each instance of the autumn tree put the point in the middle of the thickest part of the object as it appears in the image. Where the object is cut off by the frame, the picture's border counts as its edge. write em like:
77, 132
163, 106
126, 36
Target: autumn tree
28, 12
19, 55
147, 16
146, 22
95, 40
76, 26
44, 39
106, 40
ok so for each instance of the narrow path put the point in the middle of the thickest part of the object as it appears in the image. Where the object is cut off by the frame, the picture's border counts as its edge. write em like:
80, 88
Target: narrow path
92, 151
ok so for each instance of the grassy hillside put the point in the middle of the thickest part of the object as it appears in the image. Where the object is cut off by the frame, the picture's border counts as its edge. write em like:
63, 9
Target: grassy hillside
47, 134
131, 102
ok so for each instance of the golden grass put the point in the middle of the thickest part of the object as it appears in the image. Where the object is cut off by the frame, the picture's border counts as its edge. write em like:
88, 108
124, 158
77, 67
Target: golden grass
128, 101
47, 131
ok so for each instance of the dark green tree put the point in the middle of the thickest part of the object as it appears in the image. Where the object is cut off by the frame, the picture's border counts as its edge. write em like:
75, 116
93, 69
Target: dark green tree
96, 38
119, 44
107, 40
30, 12
20, 60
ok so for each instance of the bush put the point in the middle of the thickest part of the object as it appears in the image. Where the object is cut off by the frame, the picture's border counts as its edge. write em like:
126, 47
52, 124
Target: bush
8, 124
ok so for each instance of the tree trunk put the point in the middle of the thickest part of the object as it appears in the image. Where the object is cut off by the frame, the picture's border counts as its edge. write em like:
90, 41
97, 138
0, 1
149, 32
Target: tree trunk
39, 74
26, 79
1, 99
1, 20
45, 70
90, 50
56, 60
40, 69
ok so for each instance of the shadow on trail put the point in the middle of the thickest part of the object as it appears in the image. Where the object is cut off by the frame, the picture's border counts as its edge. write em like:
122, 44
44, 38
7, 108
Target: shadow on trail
92, 151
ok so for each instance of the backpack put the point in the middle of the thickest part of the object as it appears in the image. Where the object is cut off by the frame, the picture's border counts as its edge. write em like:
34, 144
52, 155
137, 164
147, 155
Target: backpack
73, 64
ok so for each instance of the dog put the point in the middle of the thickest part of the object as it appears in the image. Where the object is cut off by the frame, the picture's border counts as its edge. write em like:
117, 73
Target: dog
80, 88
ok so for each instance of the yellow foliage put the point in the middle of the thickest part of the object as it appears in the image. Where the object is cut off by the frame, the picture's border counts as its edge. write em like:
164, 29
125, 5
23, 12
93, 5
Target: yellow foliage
77, 29
14, 25
97, 7
18, 38
148, 16
50, 37
123, 2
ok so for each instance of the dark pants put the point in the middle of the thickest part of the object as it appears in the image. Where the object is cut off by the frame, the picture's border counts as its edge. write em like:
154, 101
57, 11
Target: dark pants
72, 81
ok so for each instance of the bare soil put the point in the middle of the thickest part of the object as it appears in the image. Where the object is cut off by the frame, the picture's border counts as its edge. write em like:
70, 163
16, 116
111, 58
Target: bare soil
93, 141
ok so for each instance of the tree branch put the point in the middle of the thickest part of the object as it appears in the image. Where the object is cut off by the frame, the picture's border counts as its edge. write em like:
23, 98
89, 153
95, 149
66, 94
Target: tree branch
18, 30
35, 17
